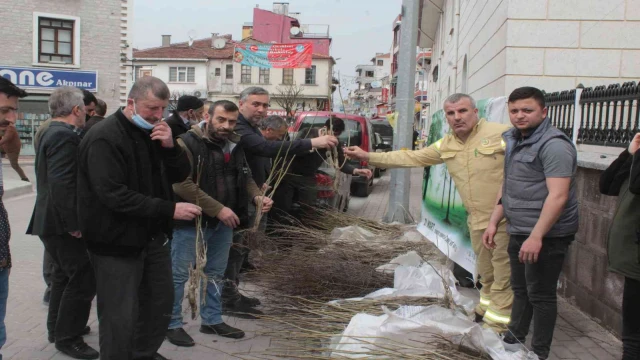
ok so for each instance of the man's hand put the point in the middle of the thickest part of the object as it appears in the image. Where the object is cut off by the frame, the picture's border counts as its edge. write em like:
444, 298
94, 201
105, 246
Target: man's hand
161, 131
487, 237
76, 234
186, 211
324, 142
635, 144
354, 152
530, 250
362, 172
228, 217
265, 187
267, 203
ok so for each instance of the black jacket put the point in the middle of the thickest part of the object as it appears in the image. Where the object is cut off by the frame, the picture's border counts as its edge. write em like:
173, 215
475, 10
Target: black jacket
259, 151
177, 125
94, 120
124, 187
55, 211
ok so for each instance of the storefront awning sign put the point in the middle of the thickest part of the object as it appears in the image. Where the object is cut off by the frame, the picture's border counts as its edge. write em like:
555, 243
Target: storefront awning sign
50, 79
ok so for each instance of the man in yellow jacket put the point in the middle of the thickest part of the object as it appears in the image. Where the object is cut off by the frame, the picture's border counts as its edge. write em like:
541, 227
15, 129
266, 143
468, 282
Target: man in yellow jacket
474, 154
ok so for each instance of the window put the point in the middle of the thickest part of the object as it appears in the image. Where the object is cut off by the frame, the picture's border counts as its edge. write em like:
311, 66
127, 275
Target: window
310, 75
217, 71
264, 76
465, 75
287, 76
182, 74
368, 74
380, 62
55, 40
229, 74
245, 74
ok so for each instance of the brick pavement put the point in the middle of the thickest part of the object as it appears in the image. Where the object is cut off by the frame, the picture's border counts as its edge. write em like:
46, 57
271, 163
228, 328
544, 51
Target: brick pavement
576, 335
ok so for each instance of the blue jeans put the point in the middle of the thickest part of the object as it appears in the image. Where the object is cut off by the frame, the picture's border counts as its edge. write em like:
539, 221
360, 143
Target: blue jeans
4, 295
183, 257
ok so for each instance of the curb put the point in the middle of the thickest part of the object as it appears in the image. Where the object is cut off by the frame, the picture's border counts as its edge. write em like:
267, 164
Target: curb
15, 191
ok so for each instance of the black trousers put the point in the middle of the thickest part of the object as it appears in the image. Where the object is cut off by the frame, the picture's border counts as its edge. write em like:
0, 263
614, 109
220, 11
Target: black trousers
237, 255
534, 291
135, 301
631, 320
73, 287
47, 268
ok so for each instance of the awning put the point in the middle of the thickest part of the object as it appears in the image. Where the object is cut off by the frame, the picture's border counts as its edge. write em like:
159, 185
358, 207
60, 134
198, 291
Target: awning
431, 10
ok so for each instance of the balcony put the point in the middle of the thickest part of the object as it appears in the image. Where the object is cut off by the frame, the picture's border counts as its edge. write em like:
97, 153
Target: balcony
313, 31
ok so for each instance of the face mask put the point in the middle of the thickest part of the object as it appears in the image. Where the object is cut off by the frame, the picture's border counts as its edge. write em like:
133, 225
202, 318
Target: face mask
139, 121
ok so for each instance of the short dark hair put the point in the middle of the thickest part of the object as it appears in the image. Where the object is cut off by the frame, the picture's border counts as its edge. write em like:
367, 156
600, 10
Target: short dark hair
140, 89
227, 105
101, 108
273, 122
338, 124
8, 88
89, 97
528, 92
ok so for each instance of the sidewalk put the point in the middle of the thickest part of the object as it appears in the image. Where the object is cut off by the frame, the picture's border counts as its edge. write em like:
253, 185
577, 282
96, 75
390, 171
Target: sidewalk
576, 335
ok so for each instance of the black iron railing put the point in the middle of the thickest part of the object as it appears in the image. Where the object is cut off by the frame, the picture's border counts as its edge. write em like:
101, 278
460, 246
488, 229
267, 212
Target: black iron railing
608, 115
561, 107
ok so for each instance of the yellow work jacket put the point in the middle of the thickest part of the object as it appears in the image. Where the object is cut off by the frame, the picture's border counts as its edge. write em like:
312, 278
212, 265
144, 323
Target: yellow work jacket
476, 166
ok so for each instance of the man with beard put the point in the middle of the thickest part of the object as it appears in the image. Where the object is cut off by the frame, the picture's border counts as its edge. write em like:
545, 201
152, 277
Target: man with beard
189, 112
221, 183
99, 114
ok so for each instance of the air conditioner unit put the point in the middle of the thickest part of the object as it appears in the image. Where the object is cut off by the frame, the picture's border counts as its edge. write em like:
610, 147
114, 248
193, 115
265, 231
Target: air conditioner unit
201, 93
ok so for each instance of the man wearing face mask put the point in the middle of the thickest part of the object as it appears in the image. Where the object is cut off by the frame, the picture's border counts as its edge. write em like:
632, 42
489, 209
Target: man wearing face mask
224, 189
190, 111
127, 163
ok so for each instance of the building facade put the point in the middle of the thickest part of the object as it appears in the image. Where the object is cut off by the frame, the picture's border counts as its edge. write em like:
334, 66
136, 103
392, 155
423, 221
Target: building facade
488, 48
284, 27
210, 73
53, 44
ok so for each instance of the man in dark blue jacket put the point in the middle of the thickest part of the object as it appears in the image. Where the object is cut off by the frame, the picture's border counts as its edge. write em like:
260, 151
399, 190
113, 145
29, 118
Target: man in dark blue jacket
254, 102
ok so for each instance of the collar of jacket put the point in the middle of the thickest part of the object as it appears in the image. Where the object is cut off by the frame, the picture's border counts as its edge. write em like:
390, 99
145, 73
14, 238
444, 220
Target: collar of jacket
73, 128
514, 134
242, 119
474, 131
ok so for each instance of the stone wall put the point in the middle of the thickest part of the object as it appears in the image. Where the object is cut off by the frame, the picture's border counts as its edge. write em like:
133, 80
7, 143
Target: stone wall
586, 281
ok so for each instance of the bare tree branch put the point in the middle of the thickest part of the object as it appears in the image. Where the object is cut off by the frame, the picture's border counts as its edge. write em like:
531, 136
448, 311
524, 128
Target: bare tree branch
287, 97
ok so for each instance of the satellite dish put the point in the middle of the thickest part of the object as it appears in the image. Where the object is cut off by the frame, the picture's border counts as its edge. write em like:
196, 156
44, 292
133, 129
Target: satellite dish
192, 35
376, 84
295, 31
219, 43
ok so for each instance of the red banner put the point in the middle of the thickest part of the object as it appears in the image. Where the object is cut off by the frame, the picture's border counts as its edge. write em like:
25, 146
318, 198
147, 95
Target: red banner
385, 95
274, 55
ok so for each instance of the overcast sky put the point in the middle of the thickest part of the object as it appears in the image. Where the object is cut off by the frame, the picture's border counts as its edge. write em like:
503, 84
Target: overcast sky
358, 27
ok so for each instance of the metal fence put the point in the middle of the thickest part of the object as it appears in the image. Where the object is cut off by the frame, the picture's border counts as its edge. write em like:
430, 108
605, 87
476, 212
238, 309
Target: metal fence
607, 115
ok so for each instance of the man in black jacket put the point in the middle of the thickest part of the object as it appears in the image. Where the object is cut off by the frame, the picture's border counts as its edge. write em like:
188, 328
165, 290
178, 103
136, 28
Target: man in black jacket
189, 111
127, 164
55, 220
254, 102
101, 111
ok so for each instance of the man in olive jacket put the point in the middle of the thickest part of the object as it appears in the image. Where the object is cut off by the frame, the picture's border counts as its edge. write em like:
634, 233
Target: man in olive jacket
221, 183
622, 179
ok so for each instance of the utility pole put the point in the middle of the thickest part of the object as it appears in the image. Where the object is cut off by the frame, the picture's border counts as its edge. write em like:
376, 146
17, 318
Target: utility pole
400, 187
